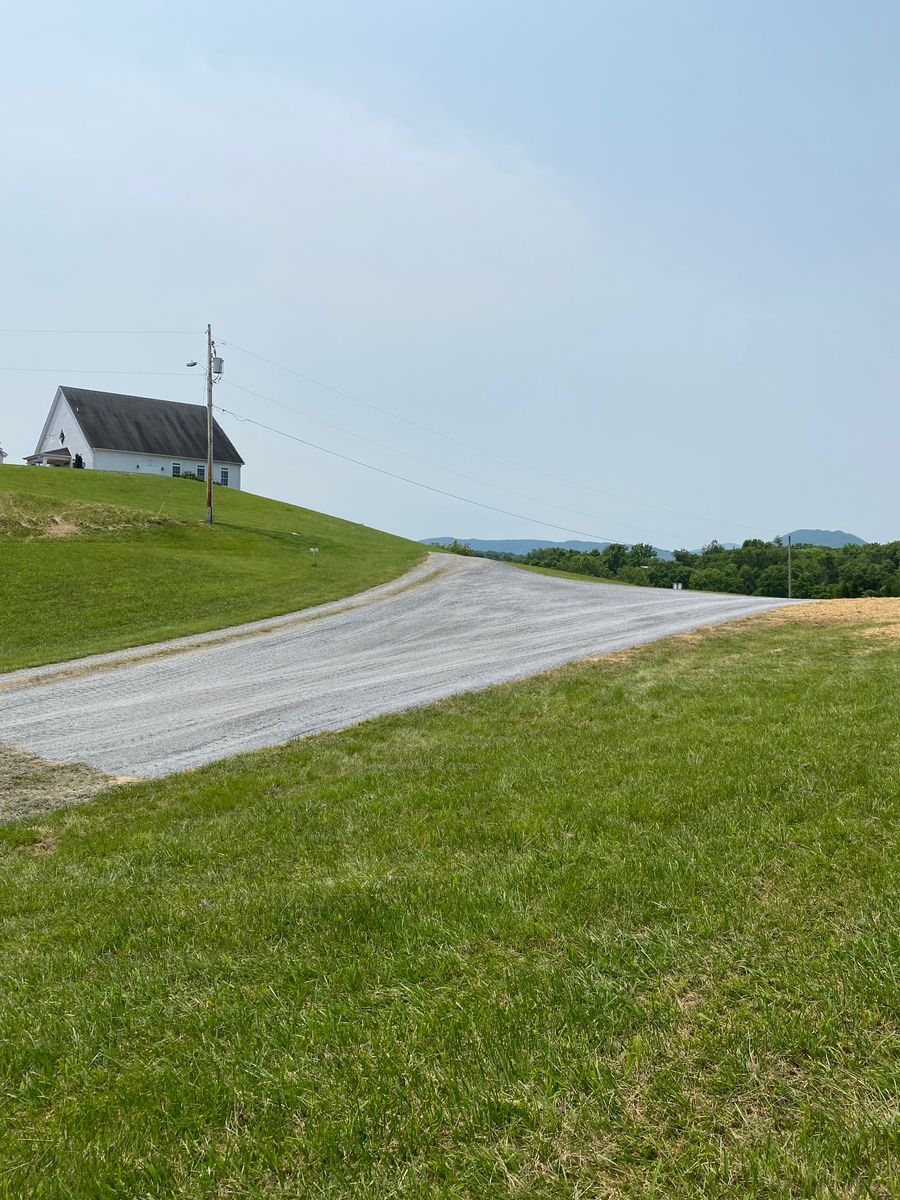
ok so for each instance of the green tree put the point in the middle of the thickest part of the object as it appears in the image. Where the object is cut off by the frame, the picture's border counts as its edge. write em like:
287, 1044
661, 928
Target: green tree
640, 553
615, 555
722, 577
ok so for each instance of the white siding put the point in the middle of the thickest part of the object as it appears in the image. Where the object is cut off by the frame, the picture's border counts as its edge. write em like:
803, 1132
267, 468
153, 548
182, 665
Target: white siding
159, 465
62, 420
234, 474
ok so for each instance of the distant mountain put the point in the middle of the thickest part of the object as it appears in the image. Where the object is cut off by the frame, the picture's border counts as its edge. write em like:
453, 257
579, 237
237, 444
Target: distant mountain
835, 538
524, 545
513, 545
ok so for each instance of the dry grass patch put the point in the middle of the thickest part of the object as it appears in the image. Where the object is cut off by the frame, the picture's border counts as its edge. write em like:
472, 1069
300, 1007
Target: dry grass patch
29, 517
874, 616
870, 610
61, 527
30, 785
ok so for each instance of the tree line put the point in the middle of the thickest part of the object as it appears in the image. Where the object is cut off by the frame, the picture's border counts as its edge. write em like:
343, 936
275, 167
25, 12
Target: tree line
757, 568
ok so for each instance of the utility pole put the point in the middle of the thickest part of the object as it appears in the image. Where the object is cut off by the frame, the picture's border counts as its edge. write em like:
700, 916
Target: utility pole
209, 426
213, 375
790, 577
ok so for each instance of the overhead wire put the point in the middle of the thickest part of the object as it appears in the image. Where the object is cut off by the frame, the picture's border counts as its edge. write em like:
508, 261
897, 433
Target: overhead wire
116, 332
437, 466
83, 371
384, 411
478, 449
405, 479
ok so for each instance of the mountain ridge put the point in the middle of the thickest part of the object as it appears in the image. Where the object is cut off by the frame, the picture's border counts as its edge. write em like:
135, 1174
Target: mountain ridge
831, 538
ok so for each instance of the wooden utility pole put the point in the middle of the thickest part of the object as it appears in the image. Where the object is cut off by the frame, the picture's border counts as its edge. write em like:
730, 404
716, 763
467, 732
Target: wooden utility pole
209, 426
790, 573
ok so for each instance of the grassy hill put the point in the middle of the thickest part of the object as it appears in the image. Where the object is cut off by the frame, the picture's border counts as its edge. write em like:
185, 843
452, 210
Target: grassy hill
94, 561
626, 930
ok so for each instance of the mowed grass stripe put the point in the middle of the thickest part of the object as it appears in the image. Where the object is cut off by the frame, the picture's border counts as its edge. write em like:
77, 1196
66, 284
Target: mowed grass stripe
157, 571
627, 930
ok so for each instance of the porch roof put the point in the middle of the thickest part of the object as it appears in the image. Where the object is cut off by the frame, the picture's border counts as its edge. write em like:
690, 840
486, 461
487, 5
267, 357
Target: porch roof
62, 455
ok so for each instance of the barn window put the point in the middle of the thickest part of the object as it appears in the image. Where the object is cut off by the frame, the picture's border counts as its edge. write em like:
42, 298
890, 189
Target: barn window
224, 476
176, 469
201, 472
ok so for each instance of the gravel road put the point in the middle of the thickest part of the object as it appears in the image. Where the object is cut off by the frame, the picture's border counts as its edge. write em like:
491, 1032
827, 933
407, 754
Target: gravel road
453, 625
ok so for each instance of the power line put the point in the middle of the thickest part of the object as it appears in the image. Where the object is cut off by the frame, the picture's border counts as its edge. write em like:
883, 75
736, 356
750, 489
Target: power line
376, 408
111, 332
480, 449
82, 371
437, 466
405, 479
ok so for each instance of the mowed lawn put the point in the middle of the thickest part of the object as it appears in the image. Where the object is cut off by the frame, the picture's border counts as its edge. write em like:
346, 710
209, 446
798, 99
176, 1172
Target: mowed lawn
122, 560
627, 930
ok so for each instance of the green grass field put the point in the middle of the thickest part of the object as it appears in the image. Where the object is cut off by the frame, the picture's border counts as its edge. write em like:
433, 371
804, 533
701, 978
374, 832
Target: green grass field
94, 561
628, 930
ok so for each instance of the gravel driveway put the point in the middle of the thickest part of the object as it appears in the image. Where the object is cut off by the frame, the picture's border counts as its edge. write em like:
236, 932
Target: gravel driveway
453, 625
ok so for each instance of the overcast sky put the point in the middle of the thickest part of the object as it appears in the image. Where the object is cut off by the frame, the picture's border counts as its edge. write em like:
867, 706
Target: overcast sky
649, 248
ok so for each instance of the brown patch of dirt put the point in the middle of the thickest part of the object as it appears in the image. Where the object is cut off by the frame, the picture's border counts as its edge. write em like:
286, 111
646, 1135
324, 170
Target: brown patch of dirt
30, 785
38, 517
875, 611
876, 616
59, 527
46, 844
616, 656
891, 630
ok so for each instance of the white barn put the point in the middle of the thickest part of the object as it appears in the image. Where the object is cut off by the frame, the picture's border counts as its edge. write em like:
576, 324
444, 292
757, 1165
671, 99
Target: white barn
111, 432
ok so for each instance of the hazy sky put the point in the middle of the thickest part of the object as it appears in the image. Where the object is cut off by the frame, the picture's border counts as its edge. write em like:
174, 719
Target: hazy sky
650, 248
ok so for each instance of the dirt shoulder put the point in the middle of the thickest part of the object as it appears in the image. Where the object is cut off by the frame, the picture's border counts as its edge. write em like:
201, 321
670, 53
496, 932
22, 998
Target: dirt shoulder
878, 616
31, 785
874, 617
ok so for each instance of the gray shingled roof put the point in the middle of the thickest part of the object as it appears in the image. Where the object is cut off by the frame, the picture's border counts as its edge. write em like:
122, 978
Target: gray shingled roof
141, 425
